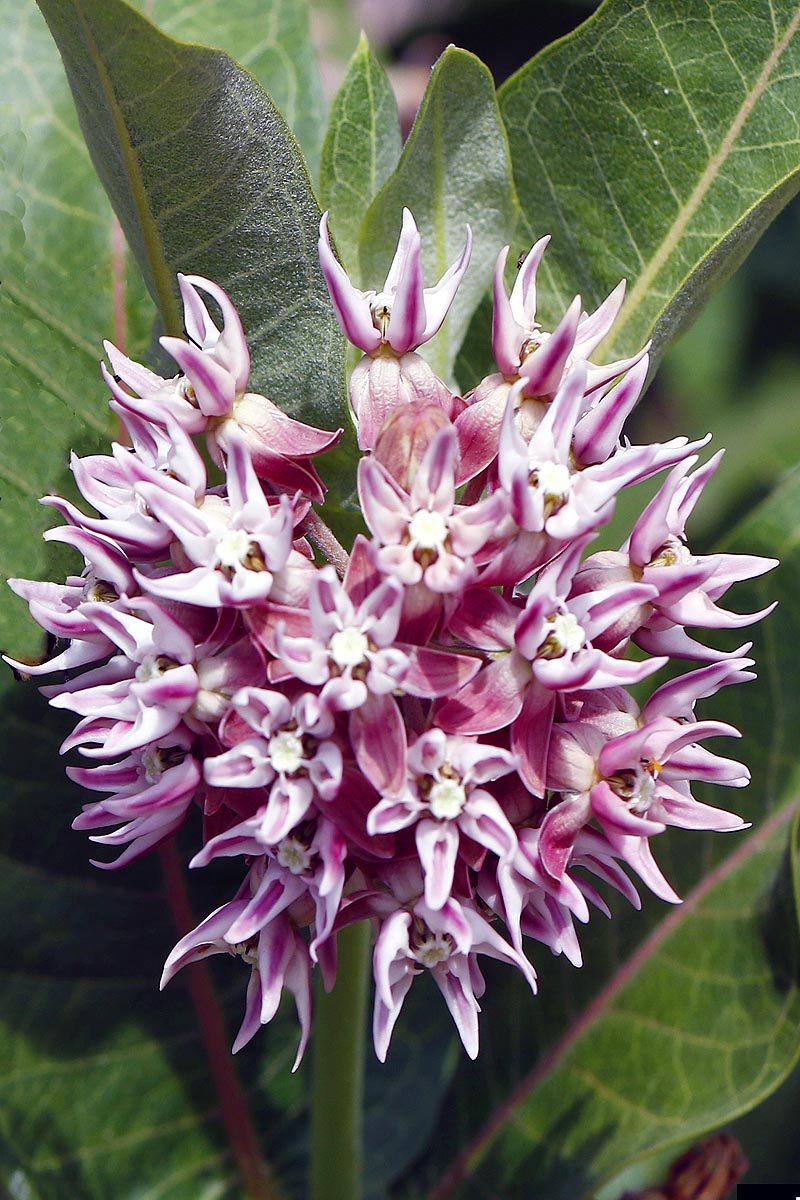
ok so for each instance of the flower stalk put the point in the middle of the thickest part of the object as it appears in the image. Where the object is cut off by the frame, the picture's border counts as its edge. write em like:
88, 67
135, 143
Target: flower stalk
338, 1086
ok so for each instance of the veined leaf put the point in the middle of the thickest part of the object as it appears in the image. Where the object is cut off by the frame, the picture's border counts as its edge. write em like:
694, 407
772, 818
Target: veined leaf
64, 289
361, 149
655, 144
454, 171
701, 1021
105, 1091
272, 41
206, 177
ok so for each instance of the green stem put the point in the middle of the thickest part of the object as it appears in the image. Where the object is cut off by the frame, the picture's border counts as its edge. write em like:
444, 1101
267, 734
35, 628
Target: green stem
337, 1100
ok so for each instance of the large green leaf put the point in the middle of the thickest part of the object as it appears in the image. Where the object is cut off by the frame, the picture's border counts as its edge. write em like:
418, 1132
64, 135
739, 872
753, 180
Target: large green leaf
700, 1021
655, 144
105, 1090
272, 41
56, 303
454, 171
361, 149
206, 177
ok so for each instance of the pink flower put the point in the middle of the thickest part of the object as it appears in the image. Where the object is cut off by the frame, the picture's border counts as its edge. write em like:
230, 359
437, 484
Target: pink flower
210, 396
277, 955
404, 734
424, 535
446, 941
152, 789
443, 799
687, 586
389, 325
235, 545
404, 313
292, 753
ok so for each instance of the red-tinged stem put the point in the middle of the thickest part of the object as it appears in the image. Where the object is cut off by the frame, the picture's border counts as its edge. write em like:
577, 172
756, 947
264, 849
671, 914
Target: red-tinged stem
469, 1156
256, 1178
118, 285
324, 540
118, 304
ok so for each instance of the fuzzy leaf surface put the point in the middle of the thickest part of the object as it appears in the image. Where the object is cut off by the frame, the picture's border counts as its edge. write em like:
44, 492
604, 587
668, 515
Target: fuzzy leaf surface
271, 41
207, 178
454, 171
655, 144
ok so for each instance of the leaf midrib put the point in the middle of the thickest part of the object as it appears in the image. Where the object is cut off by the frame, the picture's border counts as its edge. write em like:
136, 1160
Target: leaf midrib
645, 280
153, 245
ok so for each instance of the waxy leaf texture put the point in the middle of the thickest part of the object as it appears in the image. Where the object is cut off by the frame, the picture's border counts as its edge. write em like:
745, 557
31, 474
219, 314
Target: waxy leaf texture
655, 144
361, 150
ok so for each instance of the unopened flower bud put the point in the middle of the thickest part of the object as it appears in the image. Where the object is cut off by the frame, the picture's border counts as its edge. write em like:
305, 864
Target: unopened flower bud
405, 437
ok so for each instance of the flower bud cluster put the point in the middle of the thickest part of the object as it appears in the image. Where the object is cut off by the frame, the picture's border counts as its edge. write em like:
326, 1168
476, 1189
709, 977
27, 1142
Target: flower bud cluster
438, 737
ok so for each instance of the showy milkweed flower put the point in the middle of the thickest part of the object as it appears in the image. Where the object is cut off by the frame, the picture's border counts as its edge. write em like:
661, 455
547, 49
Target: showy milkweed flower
389, 325
438, 736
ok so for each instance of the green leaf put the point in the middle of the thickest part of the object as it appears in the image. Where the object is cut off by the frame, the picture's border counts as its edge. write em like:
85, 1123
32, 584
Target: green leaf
700, 1022
61, 266
206, 177
105, 1090
361, 149
454, 171
655, 144
272, 41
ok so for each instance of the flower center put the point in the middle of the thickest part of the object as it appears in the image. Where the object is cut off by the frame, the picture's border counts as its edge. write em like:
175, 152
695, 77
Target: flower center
671, 554
348, 647
247, 951
381, 309
642, 797
153, 666
285, 751
157, 759
533, 340
293, 855
447, 798
186, 391
100, 590
638, 786
428, 529
566, 636
233, 548
554, 480
433, 948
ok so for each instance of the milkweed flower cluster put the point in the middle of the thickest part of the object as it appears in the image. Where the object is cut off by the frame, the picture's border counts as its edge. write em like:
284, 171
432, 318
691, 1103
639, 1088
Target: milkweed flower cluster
440, 737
